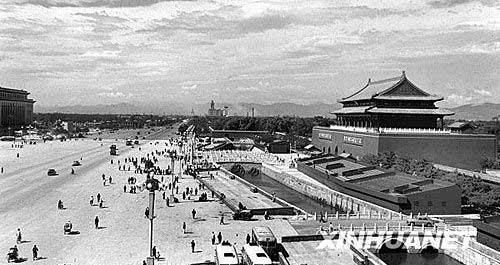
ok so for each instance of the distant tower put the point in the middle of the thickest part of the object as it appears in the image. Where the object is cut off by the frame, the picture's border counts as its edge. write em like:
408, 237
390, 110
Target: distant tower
192, 112
253, 112
226, 111
212, 105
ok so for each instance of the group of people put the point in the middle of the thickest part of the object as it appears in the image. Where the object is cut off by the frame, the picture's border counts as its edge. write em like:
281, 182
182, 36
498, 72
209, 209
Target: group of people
99, 200
14, 251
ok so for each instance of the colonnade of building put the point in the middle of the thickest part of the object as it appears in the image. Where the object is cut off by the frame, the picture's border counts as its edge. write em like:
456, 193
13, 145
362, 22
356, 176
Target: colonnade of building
15, 113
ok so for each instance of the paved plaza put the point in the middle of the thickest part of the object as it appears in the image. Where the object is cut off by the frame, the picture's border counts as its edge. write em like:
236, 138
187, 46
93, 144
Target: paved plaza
29, 202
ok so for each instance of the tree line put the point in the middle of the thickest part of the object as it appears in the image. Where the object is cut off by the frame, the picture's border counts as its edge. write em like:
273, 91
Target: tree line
476, 192
290, 125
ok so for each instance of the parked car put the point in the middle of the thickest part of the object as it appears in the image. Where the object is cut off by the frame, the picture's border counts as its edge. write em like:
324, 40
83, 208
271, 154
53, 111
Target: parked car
243, 215
51, 172
76, 163
421, 220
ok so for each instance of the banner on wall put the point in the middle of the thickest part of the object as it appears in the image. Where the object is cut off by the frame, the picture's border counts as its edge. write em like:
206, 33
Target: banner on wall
348, 139
325, 136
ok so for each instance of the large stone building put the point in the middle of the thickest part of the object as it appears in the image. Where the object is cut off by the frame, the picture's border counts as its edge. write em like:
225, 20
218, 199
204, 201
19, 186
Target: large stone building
391, 190
16, 109
394, 115
212, 111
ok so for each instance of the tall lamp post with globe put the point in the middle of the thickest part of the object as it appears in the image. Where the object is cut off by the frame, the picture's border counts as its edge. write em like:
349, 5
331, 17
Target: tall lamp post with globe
172, 157
152, 185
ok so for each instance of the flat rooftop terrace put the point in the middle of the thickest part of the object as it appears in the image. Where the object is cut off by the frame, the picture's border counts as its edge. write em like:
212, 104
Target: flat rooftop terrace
372, 177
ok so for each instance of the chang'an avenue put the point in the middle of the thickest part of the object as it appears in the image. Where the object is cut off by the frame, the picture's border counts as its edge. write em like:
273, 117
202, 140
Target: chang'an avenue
249, 132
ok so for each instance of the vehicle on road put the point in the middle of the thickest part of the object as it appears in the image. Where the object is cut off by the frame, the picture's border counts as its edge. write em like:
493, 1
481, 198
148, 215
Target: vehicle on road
421, 220
67, 228
254, 255
243, 215
13, 255
76, 163
264, 237
7, 138
136, 142
128, 142
51, 172
112, 150
225, 254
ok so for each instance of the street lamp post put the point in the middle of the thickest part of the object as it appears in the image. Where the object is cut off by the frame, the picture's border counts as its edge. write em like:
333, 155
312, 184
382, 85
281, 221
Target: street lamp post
173, 178
151, 185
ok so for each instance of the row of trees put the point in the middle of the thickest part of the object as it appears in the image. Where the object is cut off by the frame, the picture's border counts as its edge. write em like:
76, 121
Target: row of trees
490, 163
104, 121
289, 125
475, 191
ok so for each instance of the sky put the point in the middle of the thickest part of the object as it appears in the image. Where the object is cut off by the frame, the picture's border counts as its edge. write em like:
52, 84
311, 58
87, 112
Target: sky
86, 52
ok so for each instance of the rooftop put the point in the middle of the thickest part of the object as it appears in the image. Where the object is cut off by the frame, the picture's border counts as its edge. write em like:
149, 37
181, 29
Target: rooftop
395, 88
377, 110
12, 90
371, 177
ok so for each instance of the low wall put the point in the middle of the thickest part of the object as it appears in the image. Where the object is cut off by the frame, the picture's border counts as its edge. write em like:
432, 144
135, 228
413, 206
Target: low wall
332, 197
274, 211
298, 238
475, 254
263, 192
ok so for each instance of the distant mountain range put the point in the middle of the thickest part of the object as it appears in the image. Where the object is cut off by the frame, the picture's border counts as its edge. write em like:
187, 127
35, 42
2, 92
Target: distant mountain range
484, 111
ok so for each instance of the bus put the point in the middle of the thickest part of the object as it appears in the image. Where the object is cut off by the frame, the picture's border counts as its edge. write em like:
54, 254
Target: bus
254, 255
225, 255
264, 237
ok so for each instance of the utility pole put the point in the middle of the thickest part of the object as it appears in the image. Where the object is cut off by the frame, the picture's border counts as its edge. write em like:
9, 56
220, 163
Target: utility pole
152, 185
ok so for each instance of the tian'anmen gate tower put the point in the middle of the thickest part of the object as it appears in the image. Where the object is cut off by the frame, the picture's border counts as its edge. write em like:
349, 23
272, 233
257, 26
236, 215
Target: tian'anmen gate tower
395, 115
391, 103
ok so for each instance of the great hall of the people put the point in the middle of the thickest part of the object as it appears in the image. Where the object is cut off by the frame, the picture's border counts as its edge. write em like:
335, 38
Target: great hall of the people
16, 109
394, 115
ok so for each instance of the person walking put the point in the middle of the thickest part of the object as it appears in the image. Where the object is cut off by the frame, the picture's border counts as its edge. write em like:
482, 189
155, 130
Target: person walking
98, 197
219, 237
35, 252
183, 227
19, 236
96, 222
248, 239
193, 212
221, 220
154, 252
193, 245
213, 238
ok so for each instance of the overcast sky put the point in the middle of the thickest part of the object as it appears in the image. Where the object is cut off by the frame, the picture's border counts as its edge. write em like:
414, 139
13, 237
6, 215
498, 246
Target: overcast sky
108, 51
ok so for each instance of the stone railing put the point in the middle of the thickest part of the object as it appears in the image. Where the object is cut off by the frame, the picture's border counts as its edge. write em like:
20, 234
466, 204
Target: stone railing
390, 130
